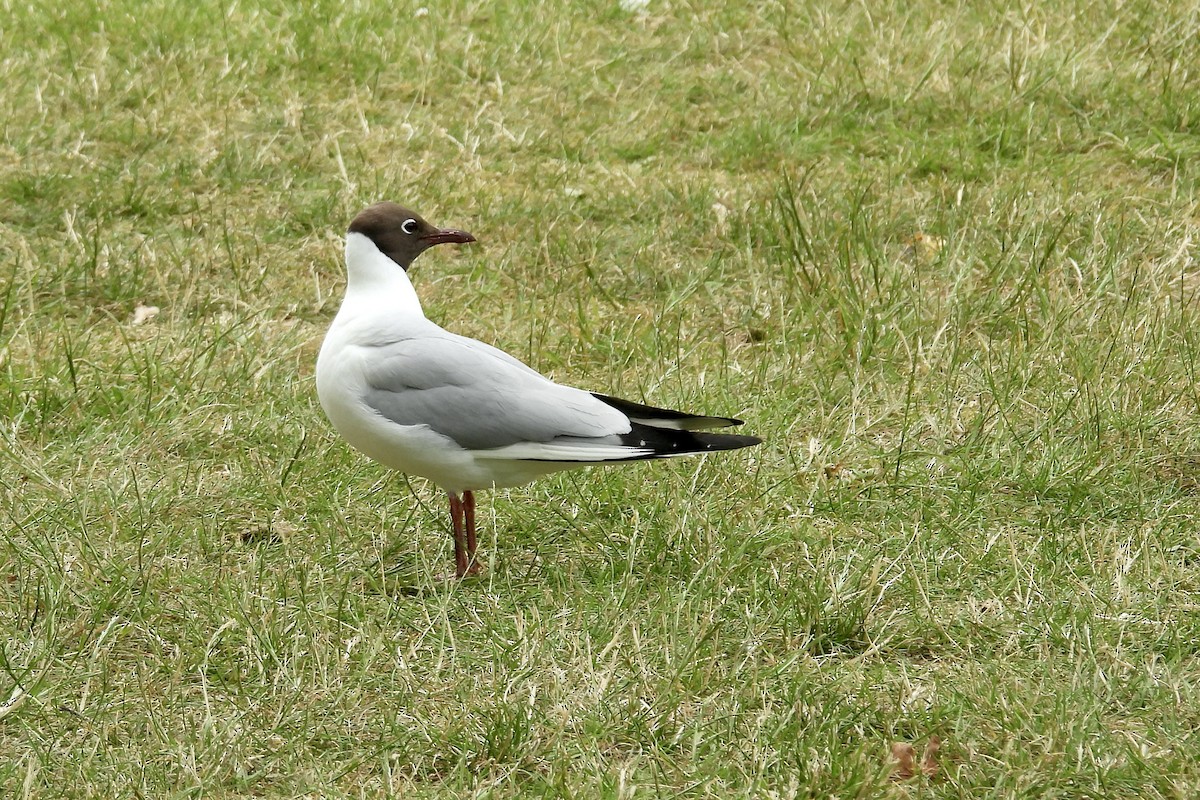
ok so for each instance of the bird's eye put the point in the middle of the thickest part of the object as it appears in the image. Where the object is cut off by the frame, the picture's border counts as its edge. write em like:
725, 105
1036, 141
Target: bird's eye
409, 226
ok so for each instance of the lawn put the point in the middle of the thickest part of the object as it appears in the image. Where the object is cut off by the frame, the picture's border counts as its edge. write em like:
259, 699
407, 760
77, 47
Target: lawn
943, 257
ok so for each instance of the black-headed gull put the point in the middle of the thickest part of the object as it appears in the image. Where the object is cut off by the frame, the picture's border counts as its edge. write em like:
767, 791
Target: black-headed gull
422, 400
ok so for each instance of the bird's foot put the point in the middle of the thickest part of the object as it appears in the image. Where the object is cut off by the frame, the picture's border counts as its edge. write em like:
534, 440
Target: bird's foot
474, 570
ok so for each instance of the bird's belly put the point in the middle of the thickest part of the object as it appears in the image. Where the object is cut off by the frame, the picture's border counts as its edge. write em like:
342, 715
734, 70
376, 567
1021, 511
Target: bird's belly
415, 449
412, 449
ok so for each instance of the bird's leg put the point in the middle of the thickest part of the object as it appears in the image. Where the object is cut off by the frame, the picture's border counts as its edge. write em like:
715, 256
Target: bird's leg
461, 559
468, 502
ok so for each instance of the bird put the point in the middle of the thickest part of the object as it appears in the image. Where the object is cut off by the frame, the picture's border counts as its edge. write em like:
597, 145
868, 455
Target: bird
461, 413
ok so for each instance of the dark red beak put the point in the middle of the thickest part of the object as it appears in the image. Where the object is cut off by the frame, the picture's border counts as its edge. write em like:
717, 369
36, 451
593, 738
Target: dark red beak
447, 236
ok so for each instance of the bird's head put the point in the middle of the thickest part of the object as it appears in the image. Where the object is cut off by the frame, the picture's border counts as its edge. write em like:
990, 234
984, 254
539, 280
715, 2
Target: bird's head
402, 235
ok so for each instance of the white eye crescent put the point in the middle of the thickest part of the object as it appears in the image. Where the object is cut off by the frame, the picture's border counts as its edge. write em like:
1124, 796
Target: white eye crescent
409, 226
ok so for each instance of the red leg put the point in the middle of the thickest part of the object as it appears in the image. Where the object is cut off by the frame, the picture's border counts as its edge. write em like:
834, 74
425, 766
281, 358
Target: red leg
461, 559
468, 502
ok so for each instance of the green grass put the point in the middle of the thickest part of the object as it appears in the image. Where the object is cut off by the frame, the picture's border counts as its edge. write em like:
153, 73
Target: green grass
944, 258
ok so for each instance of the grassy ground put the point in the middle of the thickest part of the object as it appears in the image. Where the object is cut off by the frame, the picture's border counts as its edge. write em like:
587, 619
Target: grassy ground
942, 257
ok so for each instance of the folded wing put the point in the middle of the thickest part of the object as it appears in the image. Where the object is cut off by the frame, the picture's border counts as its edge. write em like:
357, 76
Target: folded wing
490, 403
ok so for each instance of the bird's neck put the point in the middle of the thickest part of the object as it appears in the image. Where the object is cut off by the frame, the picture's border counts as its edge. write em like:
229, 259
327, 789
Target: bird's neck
373, 279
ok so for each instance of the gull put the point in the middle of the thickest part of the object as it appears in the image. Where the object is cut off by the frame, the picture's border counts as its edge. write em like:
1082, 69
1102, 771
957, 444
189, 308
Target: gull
463, 414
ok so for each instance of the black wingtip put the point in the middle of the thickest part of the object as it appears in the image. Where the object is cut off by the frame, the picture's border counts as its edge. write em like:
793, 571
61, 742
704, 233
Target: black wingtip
726, 441
665, 417
667, 442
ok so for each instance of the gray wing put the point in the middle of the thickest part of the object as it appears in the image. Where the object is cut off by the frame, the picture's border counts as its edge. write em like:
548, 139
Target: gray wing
479, 396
